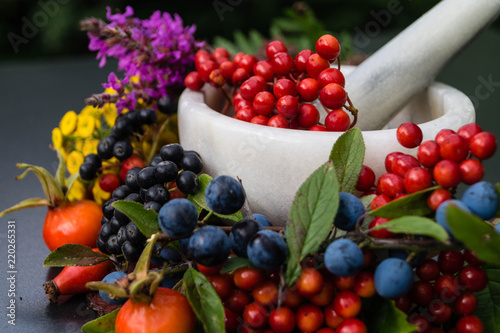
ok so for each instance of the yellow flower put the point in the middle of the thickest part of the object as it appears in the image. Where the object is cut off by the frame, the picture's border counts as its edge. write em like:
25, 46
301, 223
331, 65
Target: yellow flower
77, 191
110, 91
100, 196
73, 161
85, 126
57, 138
109, 113
90, 146
94, 112
68, 122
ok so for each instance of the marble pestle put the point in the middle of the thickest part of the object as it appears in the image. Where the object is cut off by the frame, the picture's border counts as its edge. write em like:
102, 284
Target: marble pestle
381, 85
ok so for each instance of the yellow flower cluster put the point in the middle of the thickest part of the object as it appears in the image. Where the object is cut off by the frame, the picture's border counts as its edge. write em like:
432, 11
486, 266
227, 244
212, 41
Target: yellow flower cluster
77, 136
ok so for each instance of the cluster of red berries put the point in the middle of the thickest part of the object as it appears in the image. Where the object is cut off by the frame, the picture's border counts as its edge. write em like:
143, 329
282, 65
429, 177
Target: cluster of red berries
280, 90
319, 301
448, 160
443, 298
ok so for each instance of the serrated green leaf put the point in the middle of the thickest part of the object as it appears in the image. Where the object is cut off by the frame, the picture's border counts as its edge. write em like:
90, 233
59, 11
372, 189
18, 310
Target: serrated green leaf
74, 255
384, 317
412, 204
476, 234
347, 155
28, 203
416, 225
199, 200
204, 300
103, 324
145, 219
311, 217
234, 263
488, 301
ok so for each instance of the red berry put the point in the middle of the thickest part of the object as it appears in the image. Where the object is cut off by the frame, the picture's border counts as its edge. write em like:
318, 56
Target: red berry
450, 261
310, 282
227, 69
129, 163
292, 298
390, 158
223, 284
287, 106
402, 163
379, 201
282, 320
301, 60
282, 63
231, 322
364, 284
308, 89
366, 179
470, 324
483, 145
260, 120
447, 173
380, 233
318, 128
246, 114
337, 121
428, 270
255, 315
390, 184
471, 171
409, 135
417, 179
247, 278
309, 318
428, 153
278, 121
263, 103
333, 96
331, 75
315, 64
422, 322
247, 62
332, 318
466, 303
328, 47
308, 115
266, 293
403, 303
454, 148
274, 47
351, 325
205, 68
473, 278
109, 182
239, 76
421, 293
469, 130
237, 57
439, 312
325, 295
443, 134
284, 87
437, 197
471, 258
447, 288
264, 69
238, 300
250, 88
193, 81
216, 78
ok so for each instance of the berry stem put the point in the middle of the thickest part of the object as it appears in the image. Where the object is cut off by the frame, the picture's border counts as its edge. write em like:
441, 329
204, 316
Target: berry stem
156, 139
353, 111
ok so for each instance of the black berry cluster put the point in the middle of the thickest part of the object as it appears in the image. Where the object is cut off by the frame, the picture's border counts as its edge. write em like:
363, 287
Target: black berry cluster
173, 168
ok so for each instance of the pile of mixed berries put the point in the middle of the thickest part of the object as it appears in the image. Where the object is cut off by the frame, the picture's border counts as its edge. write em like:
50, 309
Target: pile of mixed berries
280, 91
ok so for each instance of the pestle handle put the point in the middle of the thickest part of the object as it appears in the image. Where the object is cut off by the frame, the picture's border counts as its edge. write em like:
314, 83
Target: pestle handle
381, 85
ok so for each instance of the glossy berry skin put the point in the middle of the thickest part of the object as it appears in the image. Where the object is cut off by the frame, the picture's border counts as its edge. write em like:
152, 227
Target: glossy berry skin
366, 179
337, 121
316, 64
428, 270
240, 235
328, 47
247, 278
409, 135
471, 171
343, 257
347, 304
333, 96
267, 250
466, 303
390, 184
441, 212
417, 179
469, 324
467, 131
225, 195
169, 311
307, 115
446, 173
473, 278
330, 75
209, 246
393, 278
192, 162
454, 147
380, 233
282, 320
165, 171
437, 197
310, 282
351, 325
187, 182
483, 145
309, 318
482, 199
350, 210
178, 218
308, 89
428, 153
255, 315
111, 278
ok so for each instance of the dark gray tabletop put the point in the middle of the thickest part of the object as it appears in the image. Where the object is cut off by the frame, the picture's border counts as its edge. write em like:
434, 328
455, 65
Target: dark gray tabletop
33, 98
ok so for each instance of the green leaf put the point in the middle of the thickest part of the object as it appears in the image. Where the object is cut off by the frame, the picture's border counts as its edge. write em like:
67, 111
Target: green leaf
488, 301
199, 199
412, 204
142, 266
476, 234
347, 155
384, 317
53, 191
28, 203
311, 216
103, 324
145, 219
204, 300
234, 263
416, 225
60, 176
74, 255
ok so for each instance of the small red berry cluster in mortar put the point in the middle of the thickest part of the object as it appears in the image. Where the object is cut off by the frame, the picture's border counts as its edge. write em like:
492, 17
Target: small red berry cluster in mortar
280, 91
450, 159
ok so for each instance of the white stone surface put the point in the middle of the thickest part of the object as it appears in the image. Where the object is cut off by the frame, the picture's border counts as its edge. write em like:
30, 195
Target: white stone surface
273, 162
386, 81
